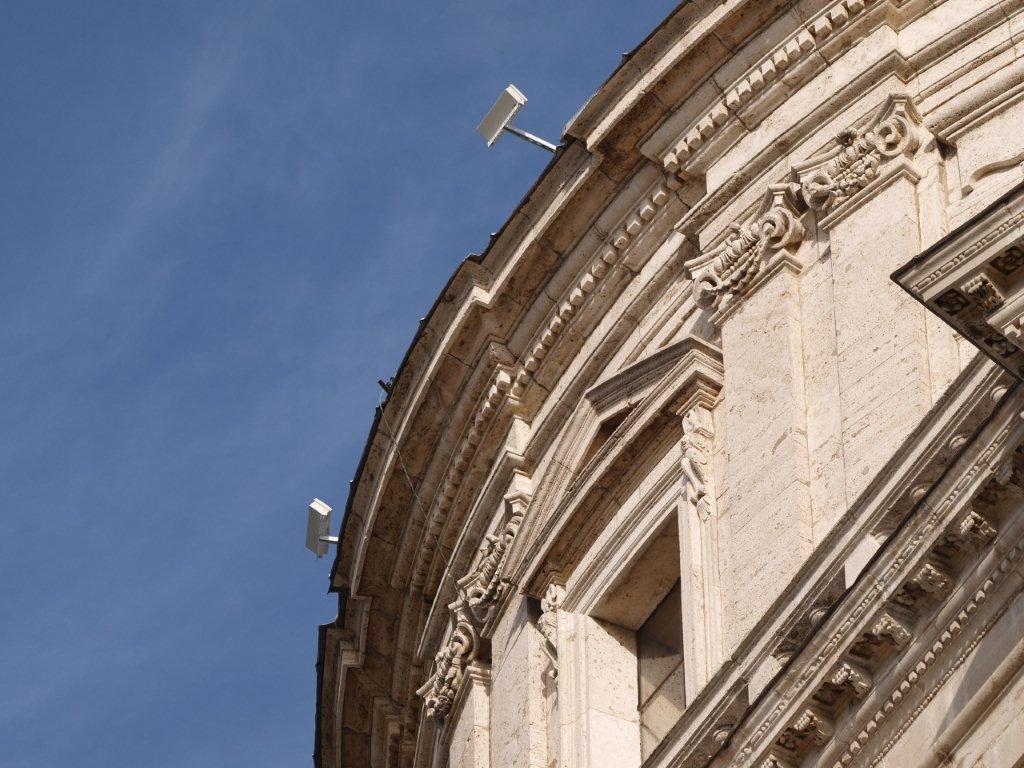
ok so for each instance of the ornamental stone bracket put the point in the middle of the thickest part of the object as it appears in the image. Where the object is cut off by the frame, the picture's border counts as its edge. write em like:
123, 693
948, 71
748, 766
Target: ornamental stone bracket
855, 160
733, 266
824, 184
479, 593
973, 279
697, 445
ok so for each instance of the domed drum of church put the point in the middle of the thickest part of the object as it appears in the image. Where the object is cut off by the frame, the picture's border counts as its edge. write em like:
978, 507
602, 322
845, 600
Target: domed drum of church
714, 456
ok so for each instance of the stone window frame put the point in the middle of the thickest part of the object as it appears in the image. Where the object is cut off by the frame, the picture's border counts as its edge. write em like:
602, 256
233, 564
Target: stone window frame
597, 688
684, 381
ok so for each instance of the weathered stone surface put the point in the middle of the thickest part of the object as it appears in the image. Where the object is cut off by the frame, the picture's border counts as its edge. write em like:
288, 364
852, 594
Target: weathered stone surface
756, 331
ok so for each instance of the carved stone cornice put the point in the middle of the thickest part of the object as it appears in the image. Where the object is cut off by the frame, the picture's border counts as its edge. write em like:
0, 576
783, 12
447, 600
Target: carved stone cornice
733, 265
463, 457
720, 728
632, 383
912, 594
801, 51
974, 280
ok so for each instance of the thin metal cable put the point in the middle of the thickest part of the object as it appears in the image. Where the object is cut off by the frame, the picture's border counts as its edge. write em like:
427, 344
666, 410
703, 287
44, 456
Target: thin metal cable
390, 433
401, 461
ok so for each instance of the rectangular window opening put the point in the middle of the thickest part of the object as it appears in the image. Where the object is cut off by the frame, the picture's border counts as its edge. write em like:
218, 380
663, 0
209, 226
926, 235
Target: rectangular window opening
660, 671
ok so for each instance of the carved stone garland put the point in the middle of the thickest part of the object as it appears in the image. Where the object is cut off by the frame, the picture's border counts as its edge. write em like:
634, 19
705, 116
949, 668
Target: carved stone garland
479, 591
733, 265
698, 433
855, 163
548, 624
822, 183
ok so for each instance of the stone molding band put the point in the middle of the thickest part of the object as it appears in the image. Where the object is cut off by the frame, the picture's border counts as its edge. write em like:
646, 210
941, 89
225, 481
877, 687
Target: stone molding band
760, 79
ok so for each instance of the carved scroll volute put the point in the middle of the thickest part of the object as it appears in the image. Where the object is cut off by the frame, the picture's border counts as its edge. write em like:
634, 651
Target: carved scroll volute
479, 593
450, 664
731, 267
856, 158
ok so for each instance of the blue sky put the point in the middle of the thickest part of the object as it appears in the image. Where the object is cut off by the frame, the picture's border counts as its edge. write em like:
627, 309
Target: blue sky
221, 224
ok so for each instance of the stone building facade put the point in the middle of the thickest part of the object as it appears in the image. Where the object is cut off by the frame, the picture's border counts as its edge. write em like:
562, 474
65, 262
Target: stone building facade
714, 457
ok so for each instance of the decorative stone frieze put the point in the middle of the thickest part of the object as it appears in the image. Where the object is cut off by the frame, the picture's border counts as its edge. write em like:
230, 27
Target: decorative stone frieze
615, 247
888, 635
852, 676
938, 648
449, 488
980, 289
892, 627
733, 265
976, 529
812, 727
758, 81
932, 579
822, 183
776, 760
510, 381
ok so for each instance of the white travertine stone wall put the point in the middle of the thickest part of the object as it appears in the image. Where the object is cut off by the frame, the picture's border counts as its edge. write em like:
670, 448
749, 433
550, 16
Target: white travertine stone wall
518, 666
828, 367
597, 684
824, 419
766, 528
469, 742
881, 334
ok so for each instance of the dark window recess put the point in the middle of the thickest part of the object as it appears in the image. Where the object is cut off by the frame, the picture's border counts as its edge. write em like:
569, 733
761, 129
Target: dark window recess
604, 432
659, 642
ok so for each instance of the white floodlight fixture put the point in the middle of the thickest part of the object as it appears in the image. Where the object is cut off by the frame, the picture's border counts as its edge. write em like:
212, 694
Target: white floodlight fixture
499, 120
318, 528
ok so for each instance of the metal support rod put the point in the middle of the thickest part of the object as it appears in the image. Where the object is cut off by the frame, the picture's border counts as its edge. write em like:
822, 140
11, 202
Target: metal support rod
531, 138
329, 539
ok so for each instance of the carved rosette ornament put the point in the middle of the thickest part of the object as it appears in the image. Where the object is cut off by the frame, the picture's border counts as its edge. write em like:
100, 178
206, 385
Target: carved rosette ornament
731, 267
855, 161
479, 592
